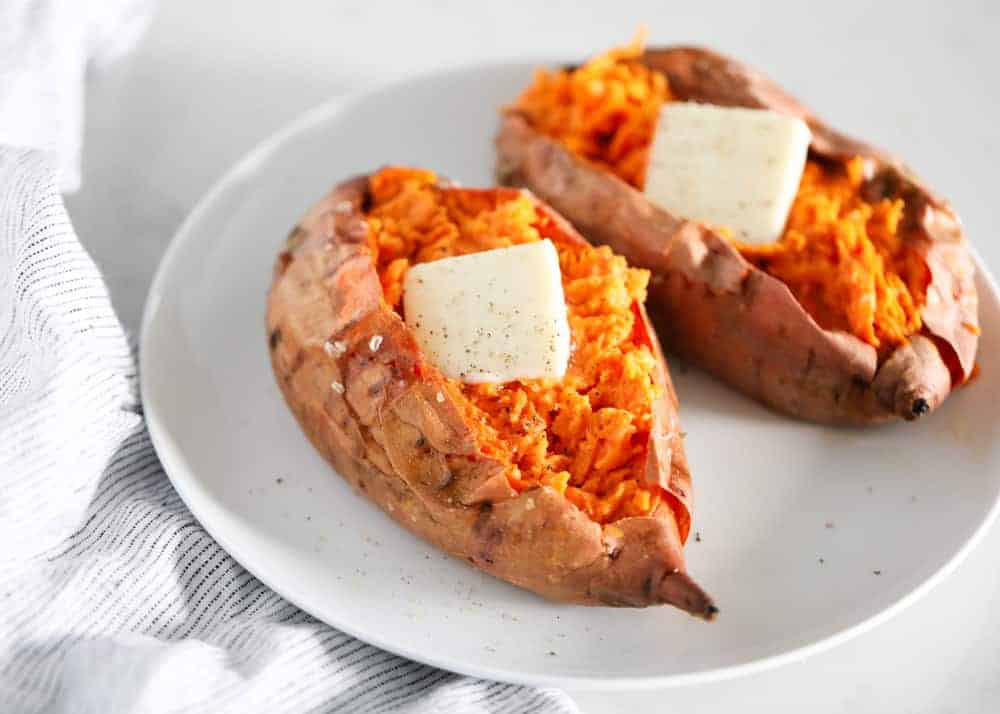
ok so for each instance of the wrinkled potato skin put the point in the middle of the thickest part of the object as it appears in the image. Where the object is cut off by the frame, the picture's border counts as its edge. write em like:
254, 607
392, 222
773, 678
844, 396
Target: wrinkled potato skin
732, 319
397, 434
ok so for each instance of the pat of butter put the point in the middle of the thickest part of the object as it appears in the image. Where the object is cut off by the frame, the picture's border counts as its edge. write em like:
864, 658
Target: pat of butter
728, 166
494, 316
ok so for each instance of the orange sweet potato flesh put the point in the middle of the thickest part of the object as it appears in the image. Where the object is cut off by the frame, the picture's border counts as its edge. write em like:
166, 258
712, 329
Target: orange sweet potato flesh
394, 427
736, 321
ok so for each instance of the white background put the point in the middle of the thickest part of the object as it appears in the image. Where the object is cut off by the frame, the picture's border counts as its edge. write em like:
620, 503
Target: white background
922, 79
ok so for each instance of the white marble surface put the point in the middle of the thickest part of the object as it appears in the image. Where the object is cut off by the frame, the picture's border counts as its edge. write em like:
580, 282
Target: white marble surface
212, 79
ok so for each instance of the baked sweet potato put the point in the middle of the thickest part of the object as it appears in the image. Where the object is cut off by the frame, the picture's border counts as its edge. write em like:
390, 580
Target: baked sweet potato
861, 316
552, 485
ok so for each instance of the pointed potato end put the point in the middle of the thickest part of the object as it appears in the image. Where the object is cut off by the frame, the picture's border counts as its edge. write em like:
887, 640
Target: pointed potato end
679, 590
914, 380
919, 407
916, 401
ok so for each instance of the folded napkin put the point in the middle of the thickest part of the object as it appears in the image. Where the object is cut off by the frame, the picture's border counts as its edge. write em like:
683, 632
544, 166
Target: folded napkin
112, 597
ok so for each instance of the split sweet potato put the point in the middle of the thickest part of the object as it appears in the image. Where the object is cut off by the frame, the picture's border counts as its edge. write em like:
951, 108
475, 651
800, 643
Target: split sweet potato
728, 314
412, 441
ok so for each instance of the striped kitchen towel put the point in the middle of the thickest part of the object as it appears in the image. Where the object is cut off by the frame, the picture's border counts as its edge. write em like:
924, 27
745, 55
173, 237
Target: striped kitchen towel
112, 597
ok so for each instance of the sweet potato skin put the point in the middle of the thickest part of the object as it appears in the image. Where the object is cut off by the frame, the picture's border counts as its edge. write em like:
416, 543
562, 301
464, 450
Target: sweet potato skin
732, 319
391, 426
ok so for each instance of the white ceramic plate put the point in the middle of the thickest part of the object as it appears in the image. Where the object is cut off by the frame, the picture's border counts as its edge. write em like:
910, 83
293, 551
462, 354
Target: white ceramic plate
805, 535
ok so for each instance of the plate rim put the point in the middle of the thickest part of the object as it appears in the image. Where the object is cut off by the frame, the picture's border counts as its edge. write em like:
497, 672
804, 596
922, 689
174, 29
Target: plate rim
177, 473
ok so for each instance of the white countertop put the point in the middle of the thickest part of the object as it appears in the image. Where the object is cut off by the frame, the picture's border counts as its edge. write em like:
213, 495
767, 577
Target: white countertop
212, 79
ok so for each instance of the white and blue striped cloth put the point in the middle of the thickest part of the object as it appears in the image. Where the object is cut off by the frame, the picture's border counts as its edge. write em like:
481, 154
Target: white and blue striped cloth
112, 597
